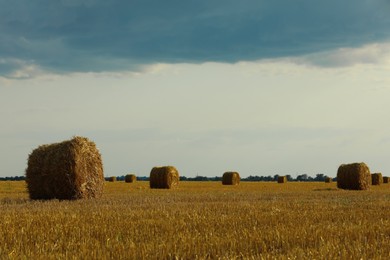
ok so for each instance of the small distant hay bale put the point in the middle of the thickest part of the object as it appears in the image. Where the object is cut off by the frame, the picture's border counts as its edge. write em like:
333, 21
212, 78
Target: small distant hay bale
130, 178
328, 179
376, 179
386, 179
354, 176
112, 179
165, 177
282, 179
68, 170
231, 178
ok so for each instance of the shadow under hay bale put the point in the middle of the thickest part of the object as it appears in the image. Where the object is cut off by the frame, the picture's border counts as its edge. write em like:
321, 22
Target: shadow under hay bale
386, 179
354, 176
165, 177
282, 179
328, 180
68, 170
130, 178
376, 179
231, 178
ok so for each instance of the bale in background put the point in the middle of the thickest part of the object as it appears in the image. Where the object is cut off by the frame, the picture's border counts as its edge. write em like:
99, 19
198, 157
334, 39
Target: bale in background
231, 178
112, 179
130, 178
376, 179
68, 170
354, 176
282, 179
328, 179
164, 177
386, 179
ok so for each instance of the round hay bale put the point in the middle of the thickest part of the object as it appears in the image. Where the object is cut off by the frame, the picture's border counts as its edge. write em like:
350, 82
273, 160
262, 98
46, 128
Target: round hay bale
165, 177
68, 170
386, 179
112, 179
231, 178
328, 179
130, 178
376, 178
354, 176
282, 179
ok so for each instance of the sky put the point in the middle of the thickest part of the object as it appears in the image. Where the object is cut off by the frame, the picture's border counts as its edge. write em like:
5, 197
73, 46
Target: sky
258, 87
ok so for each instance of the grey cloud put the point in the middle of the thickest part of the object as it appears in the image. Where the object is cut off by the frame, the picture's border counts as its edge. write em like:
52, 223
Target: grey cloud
97, 35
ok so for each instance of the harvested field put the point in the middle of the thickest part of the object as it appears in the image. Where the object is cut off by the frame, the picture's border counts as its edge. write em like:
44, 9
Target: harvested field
199, 220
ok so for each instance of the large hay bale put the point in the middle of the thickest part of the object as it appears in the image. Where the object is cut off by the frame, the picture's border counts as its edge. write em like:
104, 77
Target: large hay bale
68, 170
282, 179
386, 179
112, 179
165, 177
328, 179
354, 176
231, 178
376, 179
130, 178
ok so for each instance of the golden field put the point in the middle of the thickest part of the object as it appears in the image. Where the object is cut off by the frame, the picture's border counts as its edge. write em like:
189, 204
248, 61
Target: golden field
199, 220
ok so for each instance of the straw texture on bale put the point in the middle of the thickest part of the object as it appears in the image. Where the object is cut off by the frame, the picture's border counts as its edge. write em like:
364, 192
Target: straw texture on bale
165, 177
376, 179
68, 170
112, 179
282, 179
328, 180
231, 178
386, 179
354, 176
130, 178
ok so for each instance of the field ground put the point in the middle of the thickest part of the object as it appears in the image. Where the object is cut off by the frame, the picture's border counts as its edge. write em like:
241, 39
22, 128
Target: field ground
199, 220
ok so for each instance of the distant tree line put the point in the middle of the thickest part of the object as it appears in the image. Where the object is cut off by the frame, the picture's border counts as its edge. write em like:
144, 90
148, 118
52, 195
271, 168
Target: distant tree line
16, 178
302, 178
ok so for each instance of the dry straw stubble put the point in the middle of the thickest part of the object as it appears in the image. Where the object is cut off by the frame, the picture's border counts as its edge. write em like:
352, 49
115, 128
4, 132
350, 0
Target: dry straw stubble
71, 169
231, 178
354, 176
165, 177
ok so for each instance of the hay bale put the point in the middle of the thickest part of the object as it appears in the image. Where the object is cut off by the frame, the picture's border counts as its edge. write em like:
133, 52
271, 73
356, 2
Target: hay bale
130, 178
386, 179
231, 178
165, 177
68, 170
328, 179
354, 176
282, 179
376, 179
112, 179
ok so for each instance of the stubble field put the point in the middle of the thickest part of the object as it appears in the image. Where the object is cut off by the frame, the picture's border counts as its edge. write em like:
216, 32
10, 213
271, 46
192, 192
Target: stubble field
199, 220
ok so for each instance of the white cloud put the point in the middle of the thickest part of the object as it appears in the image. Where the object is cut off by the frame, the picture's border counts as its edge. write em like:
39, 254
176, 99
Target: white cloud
262, 117
371, 54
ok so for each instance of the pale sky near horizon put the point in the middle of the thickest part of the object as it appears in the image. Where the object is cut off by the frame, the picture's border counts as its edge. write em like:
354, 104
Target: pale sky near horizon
208, 86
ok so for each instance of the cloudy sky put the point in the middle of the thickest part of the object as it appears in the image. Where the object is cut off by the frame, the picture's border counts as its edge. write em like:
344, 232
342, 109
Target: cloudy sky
259, 87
